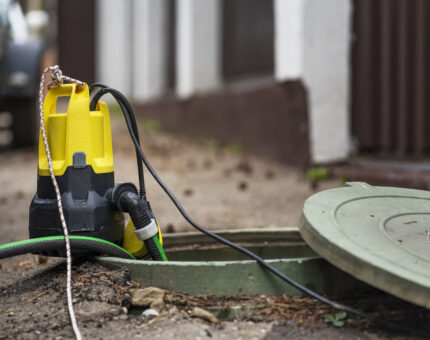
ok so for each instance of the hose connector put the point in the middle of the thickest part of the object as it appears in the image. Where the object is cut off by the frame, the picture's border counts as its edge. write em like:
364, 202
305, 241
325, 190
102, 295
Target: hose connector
126, 198
147, 232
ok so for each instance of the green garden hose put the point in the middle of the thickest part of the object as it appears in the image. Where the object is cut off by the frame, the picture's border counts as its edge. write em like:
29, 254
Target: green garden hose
41, 244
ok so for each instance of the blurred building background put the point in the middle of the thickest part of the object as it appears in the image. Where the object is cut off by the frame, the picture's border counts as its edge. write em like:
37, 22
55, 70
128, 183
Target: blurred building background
301, 81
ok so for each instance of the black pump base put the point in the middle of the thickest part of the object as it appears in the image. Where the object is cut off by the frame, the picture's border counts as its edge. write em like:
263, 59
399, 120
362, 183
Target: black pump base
86, 209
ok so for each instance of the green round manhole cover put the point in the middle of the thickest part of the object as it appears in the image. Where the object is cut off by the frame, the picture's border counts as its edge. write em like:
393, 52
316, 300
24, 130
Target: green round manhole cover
380, 235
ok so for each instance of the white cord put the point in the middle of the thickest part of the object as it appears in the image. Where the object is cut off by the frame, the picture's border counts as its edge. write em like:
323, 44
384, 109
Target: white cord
58, 78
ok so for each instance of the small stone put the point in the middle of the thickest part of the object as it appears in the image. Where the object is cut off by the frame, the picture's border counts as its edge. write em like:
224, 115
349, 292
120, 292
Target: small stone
188, 192
19, 195
269, 174
54, 326
146, 296
150, 314
242, 186
25, 264
42, 259
245, 167
170, 228
203, 314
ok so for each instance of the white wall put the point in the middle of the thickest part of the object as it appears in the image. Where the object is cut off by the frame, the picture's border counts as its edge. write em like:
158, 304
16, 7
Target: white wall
289, 39
114, 43
149, 49
132, 46
312, 43
198, 61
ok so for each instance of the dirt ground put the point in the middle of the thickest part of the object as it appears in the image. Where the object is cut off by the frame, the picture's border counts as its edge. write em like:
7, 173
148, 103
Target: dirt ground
221, 187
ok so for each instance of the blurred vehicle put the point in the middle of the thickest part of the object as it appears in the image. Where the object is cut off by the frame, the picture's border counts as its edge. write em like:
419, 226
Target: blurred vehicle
20, 64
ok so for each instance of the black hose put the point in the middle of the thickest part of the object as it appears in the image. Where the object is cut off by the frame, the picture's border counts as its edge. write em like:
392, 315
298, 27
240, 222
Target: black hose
153, 249
58, 243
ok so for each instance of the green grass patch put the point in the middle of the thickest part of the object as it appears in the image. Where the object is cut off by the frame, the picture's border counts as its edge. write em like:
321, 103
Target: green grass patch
337, 320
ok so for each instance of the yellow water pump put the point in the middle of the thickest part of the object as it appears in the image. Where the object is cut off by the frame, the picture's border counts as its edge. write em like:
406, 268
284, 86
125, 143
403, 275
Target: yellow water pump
82, 159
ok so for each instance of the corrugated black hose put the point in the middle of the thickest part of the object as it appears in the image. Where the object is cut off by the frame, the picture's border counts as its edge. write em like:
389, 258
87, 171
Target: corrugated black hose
58, 243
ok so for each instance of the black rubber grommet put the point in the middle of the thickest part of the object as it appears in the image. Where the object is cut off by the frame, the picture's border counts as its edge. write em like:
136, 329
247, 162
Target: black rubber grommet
121, 188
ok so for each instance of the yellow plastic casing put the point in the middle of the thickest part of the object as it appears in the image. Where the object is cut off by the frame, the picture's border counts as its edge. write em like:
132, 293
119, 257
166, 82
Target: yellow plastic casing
79, 129
133, 245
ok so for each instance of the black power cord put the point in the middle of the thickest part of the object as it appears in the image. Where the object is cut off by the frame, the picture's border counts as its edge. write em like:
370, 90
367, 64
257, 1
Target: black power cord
131, 122
123, 102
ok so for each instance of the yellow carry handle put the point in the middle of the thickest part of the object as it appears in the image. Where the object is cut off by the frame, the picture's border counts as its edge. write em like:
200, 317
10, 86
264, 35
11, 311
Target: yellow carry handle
77, 130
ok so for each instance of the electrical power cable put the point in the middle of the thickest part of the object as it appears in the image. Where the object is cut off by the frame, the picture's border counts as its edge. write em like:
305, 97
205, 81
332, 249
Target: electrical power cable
121, 98
57, 243
105, 89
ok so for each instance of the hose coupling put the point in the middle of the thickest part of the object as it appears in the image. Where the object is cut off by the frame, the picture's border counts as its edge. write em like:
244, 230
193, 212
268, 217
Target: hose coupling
125, 197
147, 232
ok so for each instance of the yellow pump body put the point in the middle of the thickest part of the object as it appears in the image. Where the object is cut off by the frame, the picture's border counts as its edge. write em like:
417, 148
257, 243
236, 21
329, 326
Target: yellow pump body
77, 130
